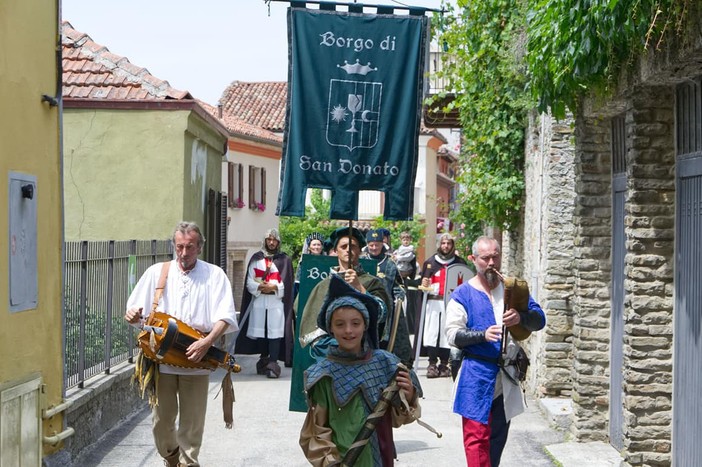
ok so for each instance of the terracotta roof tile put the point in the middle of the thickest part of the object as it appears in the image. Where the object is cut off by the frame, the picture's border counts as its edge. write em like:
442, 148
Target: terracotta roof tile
90, 70
237, 126
263, 104
260, 104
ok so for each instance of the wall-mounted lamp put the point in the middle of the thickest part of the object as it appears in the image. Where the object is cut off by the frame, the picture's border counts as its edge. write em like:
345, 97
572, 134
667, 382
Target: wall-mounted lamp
28, 191
53, 102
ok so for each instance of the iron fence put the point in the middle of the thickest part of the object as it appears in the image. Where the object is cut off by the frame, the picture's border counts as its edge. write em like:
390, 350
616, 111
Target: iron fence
96, 290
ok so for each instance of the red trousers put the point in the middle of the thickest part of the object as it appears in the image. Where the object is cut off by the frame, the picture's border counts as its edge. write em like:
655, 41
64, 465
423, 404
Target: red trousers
484, 443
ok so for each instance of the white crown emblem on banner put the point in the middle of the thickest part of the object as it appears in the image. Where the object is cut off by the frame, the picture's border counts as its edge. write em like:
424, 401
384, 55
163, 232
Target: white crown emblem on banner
356, 68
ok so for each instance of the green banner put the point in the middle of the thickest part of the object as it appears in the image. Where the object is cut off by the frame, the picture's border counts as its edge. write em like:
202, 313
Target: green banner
313, 269
354, 108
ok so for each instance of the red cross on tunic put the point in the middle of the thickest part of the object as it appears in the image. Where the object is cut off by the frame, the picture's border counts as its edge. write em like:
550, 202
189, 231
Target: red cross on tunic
440, 278
270, 274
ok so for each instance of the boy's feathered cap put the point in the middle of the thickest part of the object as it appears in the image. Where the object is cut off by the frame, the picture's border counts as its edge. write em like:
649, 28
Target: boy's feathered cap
343, 294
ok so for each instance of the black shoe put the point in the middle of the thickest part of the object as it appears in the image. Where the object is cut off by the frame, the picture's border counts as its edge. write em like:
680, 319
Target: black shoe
261, 366
432, 371
272, 369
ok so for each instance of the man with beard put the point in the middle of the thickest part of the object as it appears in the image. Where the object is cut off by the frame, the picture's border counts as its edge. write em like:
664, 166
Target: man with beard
485, 399
434, 333
387, 272
267, 300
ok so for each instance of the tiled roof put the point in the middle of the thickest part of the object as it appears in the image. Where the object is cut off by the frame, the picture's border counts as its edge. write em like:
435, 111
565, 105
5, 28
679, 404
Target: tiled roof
238, 127
261, 104
91, 71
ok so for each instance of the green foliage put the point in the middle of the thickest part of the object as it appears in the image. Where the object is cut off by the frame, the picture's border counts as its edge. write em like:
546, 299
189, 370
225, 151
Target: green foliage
294, 230
95, 328
504, 57
490, 88
578, 46
465, 234
415, 227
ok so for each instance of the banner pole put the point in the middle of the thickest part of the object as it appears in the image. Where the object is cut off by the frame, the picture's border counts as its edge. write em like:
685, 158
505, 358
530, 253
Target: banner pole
350, 249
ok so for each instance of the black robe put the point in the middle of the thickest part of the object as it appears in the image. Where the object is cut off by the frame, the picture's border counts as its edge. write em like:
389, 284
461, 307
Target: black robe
247, 346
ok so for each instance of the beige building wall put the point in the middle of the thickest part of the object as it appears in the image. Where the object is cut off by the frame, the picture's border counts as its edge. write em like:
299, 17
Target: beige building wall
31, 346
132, 174
247, 226
429, 147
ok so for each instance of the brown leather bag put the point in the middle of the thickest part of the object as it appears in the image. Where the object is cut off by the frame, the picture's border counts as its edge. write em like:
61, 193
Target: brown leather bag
517, 297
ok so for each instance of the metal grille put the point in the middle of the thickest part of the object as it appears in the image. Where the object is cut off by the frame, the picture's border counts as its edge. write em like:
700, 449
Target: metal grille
687, 365
616, 380
618, 145
688, 125
95, 296
687, 369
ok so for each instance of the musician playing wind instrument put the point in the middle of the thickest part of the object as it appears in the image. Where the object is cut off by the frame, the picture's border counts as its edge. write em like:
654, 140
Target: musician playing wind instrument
345, 388
484, 397
200, 295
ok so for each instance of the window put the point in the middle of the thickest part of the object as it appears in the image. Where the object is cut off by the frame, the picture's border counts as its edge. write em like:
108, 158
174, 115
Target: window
235, 190
257, 188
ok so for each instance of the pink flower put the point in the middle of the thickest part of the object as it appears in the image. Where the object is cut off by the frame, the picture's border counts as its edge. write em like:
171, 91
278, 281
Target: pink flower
261, 207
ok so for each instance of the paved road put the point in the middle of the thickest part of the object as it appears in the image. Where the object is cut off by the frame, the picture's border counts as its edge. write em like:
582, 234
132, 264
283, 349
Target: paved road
265, 433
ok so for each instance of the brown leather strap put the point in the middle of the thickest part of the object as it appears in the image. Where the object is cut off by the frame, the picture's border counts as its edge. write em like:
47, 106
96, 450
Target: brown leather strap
161, 284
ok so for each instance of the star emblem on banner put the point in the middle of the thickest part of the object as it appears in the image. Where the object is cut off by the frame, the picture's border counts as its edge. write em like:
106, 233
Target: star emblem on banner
338, 114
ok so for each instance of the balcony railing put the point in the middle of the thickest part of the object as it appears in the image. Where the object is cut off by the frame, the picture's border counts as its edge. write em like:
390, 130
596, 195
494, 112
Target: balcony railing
434, 113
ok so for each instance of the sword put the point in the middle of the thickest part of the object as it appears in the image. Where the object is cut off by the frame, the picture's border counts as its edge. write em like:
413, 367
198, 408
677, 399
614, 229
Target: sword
420, 330
235, 334
397, 315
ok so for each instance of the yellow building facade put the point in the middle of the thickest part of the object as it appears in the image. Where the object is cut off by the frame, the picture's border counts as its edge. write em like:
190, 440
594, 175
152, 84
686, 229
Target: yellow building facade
31, 369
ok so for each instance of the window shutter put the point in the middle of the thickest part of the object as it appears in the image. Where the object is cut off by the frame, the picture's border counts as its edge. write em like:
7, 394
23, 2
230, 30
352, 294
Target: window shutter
230, 184
240, 188
252, 184
263, 186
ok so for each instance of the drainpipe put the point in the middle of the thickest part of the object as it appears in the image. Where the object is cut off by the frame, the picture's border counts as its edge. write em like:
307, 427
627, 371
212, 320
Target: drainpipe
66, 433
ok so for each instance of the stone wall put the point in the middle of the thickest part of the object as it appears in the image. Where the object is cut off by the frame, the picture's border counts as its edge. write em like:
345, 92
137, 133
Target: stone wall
592, 273
104, 402
650, 232
545, 245
648, 284
570, 267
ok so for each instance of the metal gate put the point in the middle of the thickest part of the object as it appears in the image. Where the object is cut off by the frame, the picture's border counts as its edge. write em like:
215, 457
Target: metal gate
616, 378
687, 364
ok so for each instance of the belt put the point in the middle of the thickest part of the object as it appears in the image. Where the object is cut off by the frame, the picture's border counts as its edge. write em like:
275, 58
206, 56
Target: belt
494, 360
435, 297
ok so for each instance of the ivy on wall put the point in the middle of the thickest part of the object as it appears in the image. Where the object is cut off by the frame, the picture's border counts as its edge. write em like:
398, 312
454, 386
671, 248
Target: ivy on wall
479, 38
505, 57
580, 46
